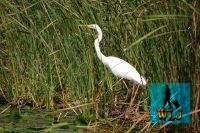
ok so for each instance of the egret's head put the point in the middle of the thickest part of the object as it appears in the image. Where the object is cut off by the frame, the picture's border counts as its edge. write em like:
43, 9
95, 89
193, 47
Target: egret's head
93, 26
97, 28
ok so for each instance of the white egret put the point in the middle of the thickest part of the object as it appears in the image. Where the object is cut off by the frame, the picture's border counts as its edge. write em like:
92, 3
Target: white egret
118, 67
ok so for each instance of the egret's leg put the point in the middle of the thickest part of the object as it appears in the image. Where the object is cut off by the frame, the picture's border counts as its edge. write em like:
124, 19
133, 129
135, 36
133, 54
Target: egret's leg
128, 96
133, 95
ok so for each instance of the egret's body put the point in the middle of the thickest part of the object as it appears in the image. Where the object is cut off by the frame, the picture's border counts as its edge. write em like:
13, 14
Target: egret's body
118, 67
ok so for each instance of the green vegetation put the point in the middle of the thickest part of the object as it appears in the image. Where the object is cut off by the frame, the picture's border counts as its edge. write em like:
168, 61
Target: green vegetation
48, 62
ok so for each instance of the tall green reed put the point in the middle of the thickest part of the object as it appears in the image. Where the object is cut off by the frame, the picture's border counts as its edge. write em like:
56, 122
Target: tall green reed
43, 48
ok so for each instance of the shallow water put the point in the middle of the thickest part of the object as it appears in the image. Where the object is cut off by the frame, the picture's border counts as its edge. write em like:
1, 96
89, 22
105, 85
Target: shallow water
28, 120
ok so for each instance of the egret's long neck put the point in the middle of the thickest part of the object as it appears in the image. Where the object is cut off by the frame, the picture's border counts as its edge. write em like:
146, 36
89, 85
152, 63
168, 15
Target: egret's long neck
97, 48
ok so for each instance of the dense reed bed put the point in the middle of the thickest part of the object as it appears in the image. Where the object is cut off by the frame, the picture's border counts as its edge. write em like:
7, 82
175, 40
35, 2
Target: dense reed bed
45, 57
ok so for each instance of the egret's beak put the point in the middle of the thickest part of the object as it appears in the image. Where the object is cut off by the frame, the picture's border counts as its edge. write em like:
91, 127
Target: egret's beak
88, 26
84, 25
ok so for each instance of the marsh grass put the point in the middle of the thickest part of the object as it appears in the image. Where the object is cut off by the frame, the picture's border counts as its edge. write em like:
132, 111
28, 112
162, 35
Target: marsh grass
44, 53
